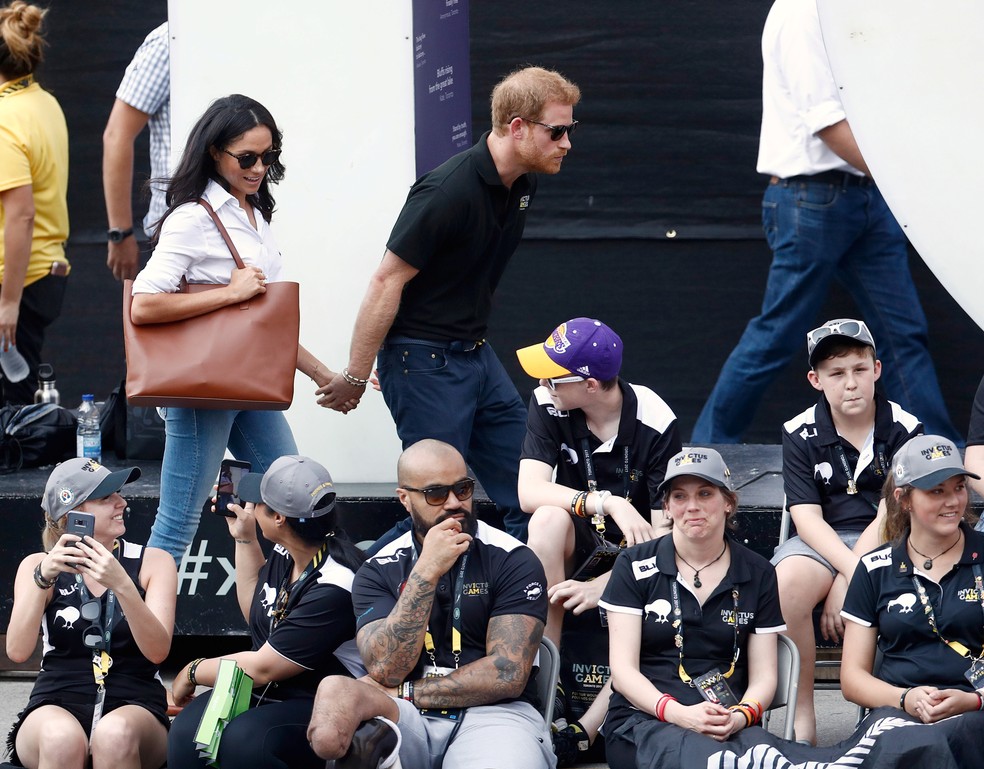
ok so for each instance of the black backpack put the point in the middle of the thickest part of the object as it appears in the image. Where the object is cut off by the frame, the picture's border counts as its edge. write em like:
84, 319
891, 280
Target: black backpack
36, 435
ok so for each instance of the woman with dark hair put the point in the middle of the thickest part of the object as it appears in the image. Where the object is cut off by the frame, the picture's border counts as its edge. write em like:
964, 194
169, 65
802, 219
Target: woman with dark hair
230, 161
105, 607
682, 607
299, 607
33, 205
919, 600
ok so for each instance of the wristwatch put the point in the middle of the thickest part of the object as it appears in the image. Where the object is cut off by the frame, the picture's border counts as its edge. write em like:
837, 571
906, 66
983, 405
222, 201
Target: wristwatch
116, 235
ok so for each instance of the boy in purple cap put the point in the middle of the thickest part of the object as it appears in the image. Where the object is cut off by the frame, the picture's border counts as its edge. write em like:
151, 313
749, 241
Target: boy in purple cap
835, 458
595, 452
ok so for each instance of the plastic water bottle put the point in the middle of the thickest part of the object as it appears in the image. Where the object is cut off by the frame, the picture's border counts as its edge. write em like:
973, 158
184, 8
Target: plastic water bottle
88, 436
46, 392
13, 365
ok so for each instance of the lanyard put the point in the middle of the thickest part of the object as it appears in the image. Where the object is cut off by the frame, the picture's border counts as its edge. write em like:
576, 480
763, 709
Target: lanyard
286, 590
459, 590
16, 85
678, 625
589, 471
958, 647
101, 661
879, 469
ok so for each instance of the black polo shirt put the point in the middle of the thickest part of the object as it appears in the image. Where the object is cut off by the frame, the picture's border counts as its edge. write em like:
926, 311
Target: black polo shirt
318, 633
975, 434
813, 471
459, 227
502, 576
882, 595
640, 585
647, 426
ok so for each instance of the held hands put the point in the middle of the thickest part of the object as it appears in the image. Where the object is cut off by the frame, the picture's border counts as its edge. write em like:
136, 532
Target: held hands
339, 395
635, 528
246, 283
706, 718
831, 622
443, 545
929, 704
577, 597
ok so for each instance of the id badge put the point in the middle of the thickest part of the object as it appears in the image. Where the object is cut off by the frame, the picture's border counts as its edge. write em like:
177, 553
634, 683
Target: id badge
713, 687
975, 674
97, 710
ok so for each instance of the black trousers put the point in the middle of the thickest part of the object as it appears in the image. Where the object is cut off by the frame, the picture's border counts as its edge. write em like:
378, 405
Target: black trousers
41, 303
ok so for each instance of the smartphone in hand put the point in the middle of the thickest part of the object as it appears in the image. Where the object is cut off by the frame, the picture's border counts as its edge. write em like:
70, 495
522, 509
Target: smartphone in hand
81, 524
230, 473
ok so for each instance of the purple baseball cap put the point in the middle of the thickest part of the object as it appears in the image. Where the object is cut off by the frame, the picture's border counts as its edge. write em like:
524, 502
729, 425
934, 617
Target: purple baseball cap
582, 347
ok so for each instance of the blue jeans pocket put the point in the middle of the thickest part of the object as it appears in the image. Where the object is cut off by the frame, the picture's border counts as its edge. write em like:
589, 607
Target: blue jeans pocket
770, 222
817, 196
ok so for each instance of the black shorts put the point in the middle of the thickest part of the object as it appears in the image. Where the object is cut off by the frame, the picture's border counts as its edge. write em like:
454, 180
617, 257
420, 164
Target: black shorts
81, 710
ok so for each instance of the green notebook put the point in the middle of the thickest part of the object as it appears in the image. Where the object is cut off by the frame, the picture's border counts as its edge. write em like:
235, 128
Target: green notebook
230, 697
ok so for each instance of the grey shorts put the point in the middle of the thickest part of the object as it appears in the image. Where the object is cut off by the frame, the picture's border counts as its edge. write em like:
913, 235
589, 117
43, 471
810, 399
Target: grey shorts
507, 736
796, 546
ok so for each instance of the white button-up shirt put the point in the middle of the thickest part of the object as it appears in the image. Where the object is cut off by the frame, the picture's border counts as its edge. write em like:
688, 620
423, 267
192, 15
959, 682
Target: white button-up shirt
191, 246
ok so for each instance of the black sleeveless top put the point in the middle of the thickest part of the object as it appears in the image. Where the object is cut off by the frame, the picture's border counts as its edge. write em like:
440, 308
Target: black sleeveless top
66, 667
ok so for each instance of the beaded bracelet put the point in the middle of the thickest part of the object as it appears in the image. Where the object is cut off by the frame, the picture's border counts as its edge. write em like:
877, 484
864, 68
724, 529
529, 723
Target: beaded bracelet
40, 581
191, 671
353, 380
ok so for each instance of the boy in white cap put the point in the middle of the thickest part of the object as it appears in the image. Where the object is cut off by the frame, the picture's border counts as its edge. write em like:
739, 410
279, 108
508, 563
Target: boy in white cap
835, 457
595, 452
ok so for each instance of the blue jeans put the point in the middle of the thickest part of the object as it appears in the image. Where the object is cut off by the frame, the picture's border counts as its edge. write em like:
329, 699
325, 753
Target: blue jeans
195, 442
818, 232
465, 399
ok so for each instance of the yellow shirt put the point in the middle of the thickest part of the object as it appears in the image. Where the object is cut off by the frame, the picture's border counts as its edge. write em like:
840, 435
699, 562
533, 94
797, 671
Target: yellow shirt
34, 151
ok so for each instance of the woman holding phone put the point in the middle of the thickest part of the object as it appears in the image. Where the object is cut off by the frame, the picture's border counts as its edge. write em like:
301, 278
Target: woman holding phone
231, 161
105, 607
298, 603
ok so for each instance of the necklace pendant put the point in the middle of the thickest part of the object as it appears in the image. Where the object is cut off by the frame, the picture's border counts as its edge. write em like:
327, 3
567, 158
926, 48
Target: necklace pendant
697, 582
928, 564
852, 487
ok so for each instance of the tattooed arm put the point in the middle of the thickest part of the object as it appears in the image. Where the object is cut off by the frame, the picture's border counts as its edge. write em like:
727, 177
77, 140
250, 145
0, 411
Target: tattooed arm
511, 645
390, 647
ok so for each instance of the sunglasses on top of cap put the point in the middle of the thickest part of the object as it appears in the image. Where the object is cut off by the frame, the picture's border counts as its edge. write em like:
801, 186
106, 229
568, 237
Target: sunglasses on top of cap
852, 328
552, 383
248, 159
438, 495
556, 131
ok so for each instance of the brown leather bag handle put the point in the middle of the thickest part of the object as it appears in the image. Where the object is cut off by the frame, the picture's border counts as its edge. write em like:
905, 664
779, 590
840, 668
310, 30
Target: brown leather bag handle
223, 231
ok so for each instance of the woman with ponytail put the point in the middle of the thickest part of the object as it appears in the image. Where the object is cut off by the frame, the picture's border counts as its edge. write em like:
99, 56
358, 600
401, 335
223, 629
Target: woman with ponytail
33, 204
298, 604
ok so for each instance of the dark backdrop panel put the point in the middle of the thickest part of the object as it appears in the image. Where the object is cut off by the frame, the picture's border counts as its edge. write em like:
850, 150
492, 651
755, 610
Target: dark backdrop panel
671, 99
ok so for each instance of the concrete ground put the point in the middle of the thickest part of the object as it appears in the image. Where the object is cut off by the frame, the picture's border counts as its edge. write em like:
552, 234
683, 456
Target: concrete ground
836, 717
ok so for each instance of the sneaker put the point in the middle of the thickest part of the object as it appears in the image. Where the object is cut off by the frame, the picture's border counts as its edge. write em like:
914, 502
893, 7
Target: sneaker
570, 742
375, 745
560, 703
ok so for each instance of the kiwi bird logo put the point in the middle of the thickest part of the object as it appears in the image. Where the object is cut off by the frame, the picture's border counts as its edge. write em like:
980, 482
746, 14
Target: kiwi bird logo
69, 615
906, 601
661, 608
269, 596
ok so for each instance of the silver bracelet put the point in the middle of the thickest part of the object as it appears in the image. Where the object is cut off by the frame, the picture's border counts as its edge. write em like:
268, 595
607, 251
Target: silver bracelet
353, 380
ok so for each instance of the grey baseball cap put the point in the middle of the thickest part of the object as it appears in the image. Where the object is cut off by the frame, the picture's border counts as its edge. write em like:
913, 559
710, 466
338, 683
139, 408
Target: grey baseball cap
838, 329
926, 461
75, 480
700, 462
295, 486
